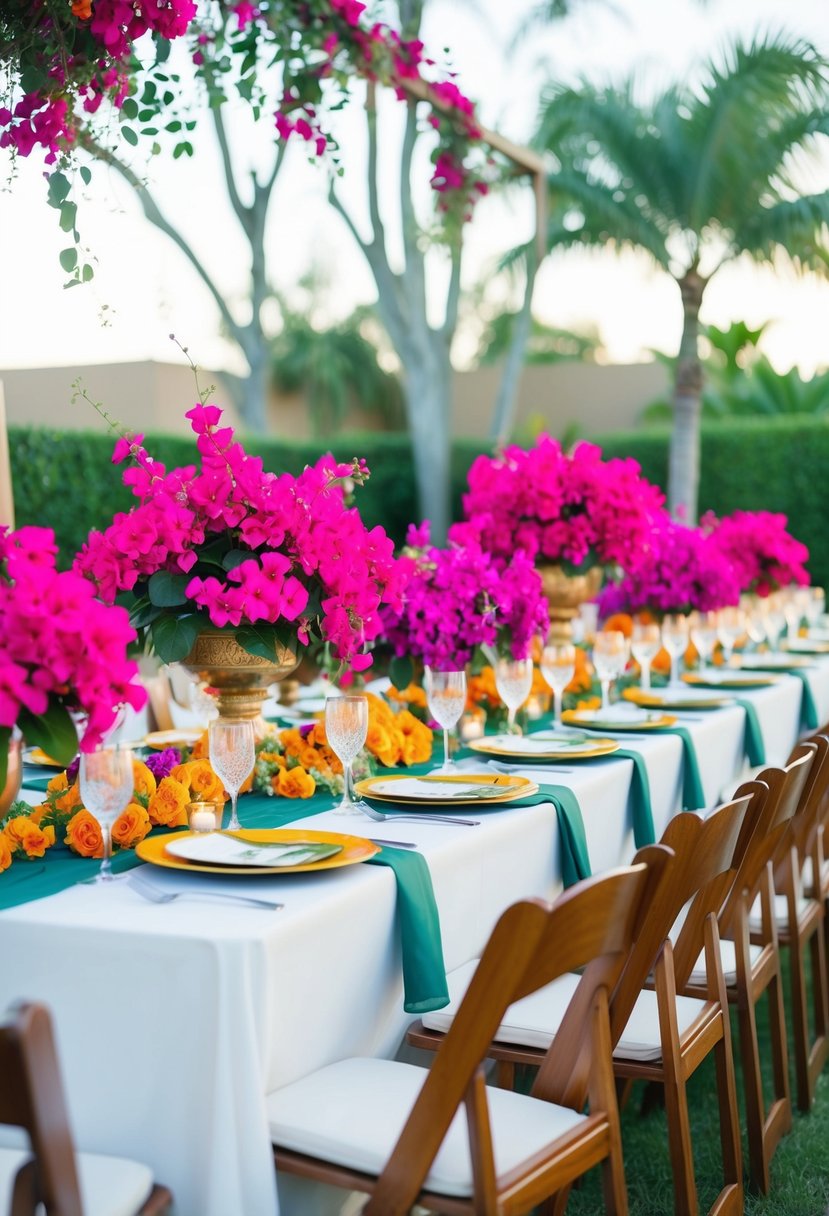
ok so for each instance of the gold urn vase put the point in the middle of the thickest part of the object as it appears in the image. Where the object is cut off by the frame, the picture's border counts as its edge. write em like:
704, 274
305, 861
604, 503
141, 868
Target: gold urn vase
565, 594
14, 775
241, 680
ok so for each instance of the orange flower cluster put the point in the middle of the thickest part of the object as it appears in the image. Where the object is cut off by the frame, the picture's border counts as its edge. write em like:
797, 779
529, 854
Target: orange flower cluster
23, 836
396, 738
482, 690
413, 695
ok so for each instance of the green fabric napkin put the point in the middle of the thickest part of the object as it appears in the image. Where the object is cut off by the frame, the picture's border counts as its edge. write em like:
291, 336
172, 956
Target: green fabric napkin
59, 869
640, 794
808, 710
37, 783
755, 748
693, 797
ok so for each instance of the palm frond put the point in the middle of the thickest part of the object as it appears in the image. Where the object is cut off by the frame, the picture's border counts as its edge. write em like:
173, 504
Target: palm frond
799, 227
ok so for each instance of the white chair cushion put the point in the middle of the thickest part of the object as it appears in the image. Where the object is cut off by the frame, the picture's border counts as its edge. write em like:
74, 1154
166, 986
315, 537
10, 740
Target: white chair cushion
640, 1038
532, 1022
351, 1114
808, 884
728, 958
780, 909
109, 1186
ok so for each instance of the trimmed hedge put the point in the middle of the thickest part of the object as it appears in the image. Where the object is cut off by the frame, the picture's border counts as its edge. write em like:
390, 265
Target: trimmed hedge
64, 479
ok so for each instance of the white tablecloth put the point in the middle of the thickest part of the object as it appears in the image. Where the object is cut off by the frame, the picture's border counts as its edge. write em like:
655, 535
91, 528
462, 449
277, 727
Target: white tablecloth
173, 1021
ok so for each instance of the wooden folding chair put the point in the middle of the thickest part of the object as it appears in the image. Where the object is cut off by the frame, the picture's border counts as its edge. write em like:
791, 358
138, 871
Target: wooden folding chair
752, 970
52, 1174
801, 928
398, 1131
656, 1036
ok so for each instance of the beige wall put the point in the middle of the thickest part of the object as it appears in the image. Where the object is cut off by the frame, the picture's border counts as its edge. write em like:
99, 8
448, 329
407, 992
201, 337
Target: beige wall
153, 396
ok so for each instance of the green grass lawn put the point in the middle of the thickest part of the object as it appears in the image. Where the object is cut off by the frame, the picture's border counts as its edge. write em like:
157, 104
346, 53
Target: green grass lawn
799, 1170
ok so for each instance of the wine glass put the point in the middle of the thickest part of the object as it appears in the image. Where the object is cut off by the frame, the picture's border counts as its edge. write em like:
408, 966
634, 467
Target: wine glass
106, 788
775, 619
446, 694
675, 641
513, 679
793, 607
730, 628
346, 727
703, 630
815, 605
232, 757
610, 656
558, 666
644, 646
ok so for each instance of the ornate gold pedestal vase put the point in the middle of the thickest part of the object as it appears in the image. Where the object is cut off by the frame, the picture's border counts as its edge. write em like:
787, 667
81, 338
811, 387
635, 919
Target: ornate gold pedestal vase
241, 680
14, 775
565, 593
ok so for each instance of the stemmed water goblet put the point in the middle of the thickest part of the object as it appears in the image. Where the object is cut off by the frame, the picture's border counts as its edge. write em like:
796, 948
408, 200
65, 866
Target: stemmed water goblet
610, 656
644, 646
232, 757
815, 605
446, 695
675, 641
513, 679
730, 628
107, 784
703, 632
346, 727
558, 666
775, 621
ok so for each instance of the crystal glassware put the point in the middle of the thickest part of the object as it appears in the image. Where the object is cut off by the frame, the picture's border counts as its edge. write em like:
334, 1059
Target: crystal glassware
730, 628
610, 656
232, 757
513, 679
815, 605
107, 785
558, 666
446, 695
346, 727
675, 641
775, 620
644, 646
703, 633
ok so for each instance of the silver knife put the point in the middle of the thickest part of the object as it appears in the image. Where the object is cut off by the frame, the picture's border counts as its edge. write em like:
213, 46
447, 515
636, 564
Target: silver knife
394, 844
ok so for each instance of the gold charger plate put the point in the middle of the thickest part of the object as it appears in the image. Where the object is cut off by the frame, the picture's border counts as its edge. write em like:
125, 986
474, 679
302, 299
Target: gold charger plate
807, 646
185, 737
666, 700
36, 755
512, 787
774, 662
354, 849
584, 718
733, 680
498, 746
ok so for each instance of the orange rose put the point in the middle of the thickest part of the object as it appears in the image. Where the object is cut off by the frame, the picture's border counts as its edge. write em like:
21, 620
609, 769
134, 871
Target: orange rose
131, 826
316, 735
37, 840
201, 748
662, 662
15, 830
82, 9
622, 622
204, 785
71, 800
57, 784
416, 750
142, 779
5, 853
295, 783
37, 812
168, 803
181, 773
309, 757
84, 836
292, 741
382, 744
583, 675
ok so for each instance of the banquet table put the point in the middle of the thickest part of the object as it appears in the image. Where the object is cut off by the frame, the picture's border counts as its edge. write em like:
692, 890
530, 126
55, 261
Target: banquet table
174, 1021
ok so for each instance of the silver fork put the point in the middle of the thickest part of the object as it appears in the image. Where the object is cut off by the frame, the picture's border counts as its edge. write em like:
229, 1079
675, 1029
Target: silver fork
379, 817
155, 896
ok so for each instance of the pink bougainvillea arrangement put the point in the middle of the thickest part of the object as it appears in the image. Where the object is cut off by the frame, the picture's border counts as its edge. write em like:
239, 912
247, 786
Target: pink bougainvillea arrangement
461, 599
275, 557
764, 554
572, 508
677, 569
61, 651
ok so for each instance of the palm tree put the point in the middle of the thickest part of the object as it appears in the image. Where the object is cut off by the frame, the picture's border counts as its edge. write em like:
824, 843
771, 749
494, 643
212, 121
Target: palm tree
700, 176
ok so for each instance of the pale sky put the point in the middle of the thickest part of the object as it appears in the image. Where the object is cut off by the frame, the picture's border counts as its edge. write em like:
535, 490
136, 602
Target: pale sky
144, 289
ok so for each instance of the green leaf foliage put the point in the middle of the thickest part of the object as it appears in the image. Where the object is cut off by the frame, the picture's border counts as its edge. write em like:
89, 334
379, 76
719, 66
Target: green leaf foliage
261, 639
166, 590
5, 737
53, 731
401, 672
172, 637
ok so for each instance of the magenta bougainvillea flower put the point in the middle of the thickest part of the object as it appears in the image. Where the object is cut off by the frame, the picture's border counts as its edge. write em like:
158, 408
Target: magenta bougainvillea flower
763, 552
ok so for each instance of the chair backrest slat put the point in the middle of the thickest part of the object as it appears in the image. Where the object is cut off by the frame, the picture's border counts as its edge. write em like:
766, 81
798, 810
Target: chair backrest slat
531, 945
31, 1097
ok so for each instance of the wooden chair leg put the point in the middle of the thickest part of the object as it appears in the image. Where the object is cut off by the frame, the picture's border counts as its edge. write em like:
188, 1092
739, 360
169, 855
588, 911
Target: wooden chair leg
505, 1074
679, 1143
729, 1118
819, 1050
613, 1183
779, 1046
800, 1025
755, 1106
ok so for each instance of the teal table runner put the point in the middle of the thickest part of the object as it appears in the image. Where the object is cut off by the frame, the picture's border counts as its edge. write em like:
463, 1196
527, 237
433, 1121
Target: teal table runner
755, 747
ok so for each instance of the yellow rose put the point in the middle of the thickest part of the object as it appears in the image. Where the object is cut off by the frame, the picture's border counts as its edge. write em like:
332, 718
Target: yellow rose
381, 743
201, 748
131, 826
143, 780
292, 741
181, 773
84, 836
71, 800
295, 783
167, 805
204, 785
5, 853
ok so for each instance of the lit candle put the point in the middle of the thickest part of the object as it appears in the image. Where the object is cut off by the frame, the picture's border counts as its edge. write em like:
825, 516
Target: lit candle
203, 821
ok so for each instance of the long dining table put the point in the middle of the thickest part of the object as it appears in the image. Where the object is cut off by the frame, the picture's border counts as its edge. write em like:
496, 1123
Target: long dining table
175, 1020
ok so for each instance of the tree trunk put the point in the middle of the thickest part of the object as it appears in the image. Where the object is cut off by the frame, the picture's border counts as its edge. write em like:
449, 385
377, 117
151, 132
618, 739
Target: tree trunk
683, 470
428, 391
503, 417
253, 396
